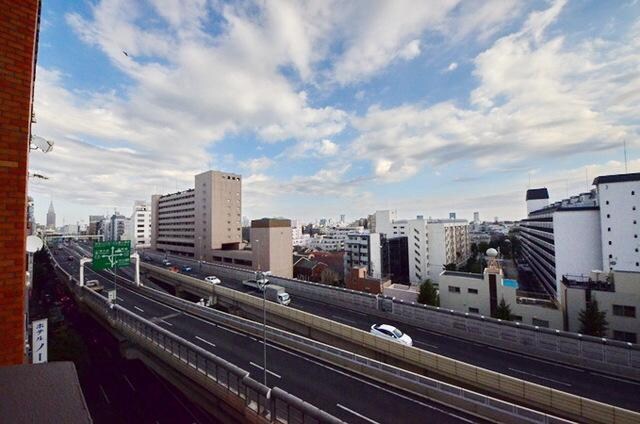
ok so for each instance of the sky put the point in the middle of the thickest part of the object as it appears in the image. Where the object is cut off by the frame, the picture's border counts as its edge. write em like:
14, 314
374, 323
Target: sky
330, 107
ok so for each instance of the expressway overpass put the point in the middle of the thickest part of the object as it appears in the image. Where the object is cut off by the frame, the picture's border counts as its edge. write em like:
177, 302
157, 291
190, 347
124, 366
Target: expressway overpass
308, 305
307, 378
576, 380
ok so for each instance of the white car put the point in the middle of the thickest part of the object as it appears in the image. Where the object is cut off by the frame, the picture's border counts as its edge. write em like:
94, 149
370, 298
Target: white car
212, 279
392, 333
166, 262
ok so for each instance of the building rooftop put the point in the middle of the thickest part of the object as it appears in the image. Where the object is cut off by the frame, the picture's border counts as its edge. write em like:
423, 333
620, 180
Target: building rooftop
616, 178
463, 274
42, 393
537, 193
270, 223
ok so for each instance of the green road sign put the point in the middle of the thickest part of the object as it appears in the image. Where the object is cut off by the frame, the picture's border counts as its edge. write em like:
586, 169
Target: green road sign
111, 254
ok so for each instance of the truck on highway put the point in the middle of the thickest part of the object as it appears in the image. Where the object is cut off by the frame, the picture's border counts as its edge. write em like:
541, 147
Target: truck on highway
277, 294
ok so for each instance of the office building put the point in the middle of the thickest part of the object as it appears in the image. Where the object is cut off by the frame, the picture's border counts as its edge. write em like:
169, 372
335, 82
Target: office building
334, 238
196, 221
51, 217
395, 259
380, 221
140, 234
415, 230
95, 224
118, 227
476, 218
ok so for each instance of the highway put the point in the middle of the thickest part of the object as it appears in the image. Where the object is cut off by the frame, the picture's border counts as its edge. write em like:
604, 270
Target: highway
349, 397
601, 387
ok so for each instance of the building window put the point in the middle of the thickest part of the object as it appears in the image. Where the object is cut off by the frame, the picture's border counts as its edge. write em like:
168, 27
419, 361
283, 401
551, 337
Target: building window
474, 310
608, 216
609, 229
609, 242
633, 193
610, 256
472, 291
607, 202
625, 336
453, 289
624, 311
540, 322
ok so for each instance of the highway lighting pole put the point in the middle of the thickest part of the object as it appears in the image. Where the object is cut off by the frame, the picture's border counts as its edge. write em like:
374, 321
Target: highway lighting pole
260, 278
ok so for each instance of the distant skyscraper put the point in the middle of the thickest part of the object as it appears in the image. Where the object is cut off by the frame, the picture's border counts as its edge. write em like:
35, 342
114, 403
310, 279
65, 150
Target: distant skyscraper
51, 217
476, 217
342, 218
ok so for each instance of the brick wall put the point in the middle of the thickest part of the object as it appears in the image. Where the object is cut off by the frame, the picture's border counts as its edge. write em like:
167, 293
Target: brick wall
18, 29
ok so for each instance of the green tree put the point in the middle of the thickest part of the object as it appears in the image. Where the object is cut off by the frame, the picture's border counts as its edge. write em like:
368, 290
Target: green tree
482, 247
428, 294
593, 321
503, 311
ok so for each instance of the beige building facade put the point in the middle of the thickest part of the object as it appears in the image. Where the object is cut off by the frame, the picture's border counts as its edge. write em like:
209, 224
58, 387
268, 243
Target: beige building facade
272, 246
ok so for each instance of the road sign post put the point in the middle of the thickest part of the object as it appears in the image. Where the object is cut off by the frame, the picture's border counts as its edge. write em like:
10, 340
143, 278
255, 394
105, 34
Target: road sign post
111, 255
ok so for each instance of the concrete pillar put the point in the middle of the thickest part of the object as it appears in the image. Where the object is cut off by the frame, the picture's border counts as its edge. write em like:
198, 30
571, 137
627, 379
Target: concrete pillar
83, 261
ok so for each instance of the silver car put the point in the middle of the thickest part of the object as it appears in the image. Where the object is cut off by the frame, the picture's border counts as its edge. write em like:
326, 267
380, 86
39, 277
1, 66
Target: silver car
392, 333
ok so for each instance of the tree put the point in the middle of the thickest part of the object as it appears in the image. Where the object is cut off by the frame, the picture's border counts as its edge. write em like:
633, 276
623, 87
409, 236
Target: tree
428, 294
482, 247
330, 277
593, 321
503, 311
451, 267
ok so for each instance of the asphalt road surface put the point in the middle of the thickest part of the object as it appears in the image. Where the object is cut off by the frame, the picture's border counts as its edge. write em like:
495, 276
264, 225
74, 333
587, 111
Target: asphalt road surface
347, 396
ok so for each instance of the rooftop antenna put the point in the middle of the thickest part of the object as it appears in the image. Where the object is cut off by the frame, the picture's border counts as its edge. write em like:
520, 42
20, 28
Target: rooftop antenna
625, 157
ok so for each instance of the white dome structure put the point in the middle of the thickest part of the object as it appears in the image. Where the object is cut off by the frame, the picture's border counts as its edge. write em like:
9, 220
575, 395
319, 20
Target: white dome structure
492, 253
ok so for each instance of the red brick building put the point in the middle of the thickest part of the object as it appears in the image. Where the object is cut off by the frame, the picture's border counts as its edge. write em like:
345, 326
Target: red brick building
18, 40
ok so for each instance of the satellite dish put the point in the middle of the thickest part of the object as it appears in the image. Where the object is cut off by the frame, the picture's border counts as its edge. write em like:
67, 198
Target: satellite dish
492, 252
34, 243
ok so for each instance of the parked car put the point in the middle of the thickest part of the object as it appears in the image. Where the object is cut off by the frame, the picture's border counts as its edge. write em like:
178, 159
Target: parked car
212, 279
94, 285
166, 262
186, 269
392, 333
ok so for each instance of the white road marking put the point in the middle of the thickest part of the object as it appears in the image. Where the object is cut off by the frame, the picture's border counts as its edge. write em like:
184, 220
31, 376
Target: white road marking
357, 414
615, 378
165, 322
270, 372
129, 383
140, 309
343, 319
205, 341
120, 299
540, 377
104, 394
435, 408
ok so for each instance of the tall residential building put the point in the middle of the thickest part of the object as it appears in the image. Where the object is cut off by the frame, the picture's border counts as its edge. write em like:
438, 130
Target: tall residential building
476, 218
197, 221
118, 228
363, 250
380, 221
448, 244
141, 225
271, 246
415, 230
571, 238
51, 217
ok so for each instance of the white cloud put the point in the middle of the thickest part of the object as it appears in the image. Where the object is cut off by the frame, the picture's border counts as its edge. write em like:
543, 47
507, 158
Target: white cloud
410, 51
258, 165
452, 67
322, 148
536, 98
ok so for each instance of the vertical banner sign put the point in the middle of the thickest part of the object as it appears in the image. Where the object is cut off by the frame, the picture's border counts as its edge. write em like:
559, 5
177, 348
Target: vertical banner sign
39, 342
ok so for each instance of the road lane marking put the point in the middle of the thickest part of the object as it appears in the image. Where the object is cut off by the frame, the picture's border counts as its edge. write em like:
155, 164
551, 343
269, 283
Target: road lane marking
140, 309
435, 408
357, 414
129, 383
165, 322
120, 299
104, 394
540, 377
614, 378
205, 341
270, 372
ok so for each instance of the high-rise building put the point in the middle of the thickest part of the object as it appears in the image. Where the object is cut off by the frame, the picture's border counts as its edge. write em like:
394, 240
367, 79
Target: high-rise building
448, 244
415, 230
31, 220
95, 224
51, 217
363, 250
199, 220
597, 230
119, 227
476, 218
141, 225
271, 246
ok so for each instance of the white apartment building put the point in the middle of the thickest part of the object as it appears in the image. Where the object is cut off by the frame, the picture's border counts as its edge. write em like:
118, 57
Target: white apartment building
140, 233
432, 243
363, 250
297, 237
417, 244
592, 231
448, 244
197, 221
334, 239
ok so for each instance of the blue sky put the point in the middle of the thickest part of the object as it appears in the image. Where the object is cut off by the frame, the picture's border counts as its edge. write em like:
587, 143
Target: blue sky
335, 107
